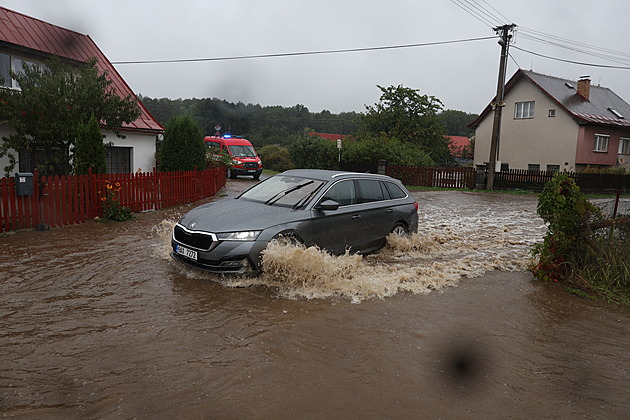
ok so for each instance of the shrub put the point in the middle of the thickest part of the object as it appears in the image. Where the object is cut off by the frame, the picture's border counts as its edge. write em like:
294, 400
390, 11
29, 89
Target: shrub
276, 158
183, 148
574, 253
314, 153
370, 148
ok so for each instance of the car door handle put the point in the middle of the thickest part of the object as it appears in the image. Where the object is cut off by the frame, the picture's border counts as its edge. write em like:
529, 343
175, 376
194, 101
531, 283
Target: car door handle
356, 217
390, 210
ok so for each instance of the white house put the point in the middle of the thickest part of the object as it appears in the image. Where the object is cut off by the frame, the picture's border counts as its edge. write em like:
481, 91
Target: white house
26, 39
555, 124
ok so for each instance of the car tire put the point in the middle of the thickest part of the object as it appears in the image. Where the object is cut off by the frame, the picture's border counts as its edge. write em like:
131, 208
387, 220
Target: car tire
401, 230
257, 176
231, 174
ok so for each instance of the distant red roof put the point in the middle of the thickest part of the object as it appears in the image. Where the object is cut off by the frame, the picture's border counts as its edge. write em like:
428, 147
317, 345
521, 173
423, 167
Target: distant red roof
39, 37
457, 144
329, 136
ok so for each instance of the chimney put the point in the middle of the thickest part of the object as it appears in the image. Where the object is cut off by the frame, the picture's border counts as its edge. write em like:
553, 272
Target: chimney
584, 87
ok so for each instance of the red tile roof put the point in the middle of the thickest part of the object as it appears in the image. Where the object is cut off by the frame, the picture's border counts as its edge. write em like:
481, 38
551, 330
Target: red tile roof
328, 136
36, 36
457, 144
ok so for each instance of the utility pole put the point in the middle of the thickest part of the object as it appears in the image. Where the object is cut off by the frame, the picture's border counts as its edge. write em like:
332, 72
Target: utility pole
505, 33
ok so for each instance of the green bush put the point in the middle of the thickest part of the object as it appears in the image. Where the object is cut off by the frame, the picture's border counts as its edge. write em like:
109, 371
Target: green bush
276, 158
369, 148
314, 153
572, 252
183, 148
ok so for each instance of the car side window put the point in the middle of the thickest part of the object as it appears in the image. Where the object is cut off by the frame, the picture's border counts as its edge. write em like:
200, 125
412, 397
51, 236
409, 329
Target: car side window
370, 190
342, 192
395, 191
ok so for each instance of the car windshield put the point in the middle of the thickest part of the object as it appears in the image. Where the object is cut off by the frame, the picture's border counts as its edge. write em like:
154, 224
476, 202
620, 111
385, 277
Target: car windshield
283, 190
238, 150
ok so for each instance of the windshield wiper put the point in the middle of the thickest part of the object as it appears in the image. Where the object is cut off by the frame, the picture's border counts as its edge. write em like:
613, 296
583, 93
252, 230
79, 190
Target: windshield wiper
305, 199
281, 194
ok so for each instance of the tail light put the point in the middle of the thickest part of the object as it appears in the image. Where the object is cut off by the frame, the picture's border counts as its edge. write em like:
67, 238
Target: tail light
415, 205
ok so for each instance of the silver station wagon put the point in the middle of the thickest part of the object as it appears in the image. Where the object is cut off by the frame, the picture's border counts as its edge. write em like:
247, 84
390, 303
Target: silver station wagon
335, 211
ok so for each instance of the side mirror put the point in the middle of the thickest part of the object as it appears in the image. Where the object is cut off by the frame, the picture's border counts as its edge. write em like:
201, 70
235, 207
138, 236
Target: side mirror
327, 205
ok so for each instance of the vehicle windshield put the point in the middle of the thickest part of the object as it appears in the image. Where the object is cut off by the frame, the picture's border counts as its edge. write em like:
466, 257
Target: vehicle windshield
241, 150
283, 190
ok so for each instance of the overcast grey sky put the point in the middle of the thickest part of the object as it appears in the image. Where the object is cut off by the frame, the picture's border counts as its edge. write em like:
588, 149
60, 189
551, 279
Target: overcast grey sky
462, 75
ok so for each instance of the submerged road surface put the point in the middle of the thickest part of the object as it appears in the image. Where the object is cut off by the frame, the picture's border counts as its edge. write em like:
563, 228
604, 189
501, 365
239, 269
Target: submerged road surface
96, 321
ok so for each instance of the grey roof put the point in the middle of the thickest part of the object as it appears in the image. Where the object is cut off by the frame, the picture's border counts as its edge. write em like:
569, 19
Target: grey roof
603, 106
598, 109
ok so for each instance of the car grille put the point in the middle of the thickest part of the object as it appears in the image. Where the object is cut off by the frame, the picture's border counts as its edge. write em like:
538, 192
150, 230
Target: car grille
253, 165
197, 240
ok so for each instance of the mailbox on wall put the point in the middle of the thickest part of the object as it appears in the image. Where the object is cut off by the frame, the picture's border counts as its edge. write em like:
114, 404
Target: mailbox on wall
24, 183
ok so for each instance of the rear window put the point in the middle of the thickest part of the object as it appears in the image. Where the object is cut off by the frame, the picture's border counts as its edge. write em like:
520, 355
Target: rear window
394, 190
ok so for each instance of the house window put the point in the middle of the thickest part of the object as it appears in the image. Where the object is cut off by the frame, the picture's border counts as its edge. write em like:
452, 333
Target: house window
524, 110
533, 167
118, 160
624, 146
49, 162
601, 143
5, 69
553, 168
552, 113
8, 63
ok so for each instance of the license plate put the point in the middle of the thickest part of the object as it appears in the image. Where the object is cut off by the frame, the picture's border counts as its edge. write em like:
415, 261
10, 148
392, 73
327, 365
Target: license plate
251, 170
188, 253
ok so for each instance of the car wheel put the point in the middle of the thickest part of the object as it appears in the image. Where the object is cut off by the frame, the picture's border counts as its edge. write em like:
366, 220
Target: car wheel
231, 174
401, 230
257, 176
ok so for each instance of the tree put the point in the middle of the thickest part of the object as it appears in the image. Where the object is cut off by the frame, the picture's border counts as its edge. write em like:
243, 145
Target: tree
403, 114
89, 151
456, 122
51, 105
183, 148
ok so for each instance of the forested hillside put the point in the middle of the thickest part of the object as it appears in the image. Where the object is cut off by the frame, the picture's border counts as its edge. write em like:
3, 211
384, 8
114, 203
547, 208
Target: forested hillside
266, 125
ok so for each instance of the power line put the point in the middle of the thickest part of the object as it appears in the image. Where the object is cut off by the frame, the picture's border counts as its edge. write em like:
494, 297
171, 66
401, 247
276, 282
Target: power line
294, 54
571, 61
474, 12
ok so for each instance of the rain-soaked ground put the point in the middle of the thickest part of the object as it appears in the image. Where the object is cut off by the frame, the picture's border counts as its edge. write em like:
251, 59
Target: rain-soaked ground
96, 321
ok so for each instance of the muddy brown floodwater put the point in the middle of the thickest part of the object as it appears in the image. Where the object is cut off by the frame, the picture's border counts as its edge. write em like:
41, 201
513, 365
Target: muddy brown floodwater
96, 321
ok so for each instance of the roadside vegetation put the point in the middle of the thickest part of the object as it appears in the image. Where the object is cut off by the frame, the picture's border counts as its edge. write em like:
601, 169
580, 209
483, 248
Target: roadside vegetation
588, 254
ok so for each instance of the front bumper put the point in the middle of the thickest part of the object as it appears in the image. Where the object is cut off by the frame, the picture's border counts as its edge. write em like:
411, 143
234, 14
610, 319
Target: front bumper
236, 257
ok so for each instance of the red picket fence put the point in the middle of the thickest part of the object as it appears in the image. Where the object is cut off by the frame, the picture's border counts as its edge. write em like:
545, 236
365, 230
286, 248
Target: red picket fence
66, 200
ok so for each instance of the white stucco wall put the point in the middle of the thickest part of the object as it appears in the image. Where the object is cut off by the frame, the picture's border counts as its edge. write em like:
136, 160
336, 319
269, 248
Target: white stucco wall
143, 153
540, 140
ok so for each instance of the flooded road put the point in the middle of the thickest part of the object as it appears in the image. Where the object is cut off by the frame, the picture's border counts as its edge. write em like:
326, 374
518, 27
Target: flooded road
96, 321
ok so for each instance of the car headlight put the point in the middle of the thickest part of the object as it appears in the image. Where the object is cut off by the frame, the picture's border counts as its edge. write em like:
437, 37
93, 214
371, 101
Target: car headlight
239, 236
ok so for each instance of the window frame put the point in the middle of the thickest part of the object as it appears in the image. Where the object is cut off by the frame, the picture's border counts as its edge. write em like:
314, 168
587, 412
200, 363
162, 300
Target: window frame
600, 143
520, 107
624, 146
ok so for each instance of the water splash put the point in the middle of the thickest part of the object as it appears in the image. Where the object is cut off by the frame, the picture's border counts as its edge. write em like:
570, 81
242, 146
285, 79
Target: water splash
450, 247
